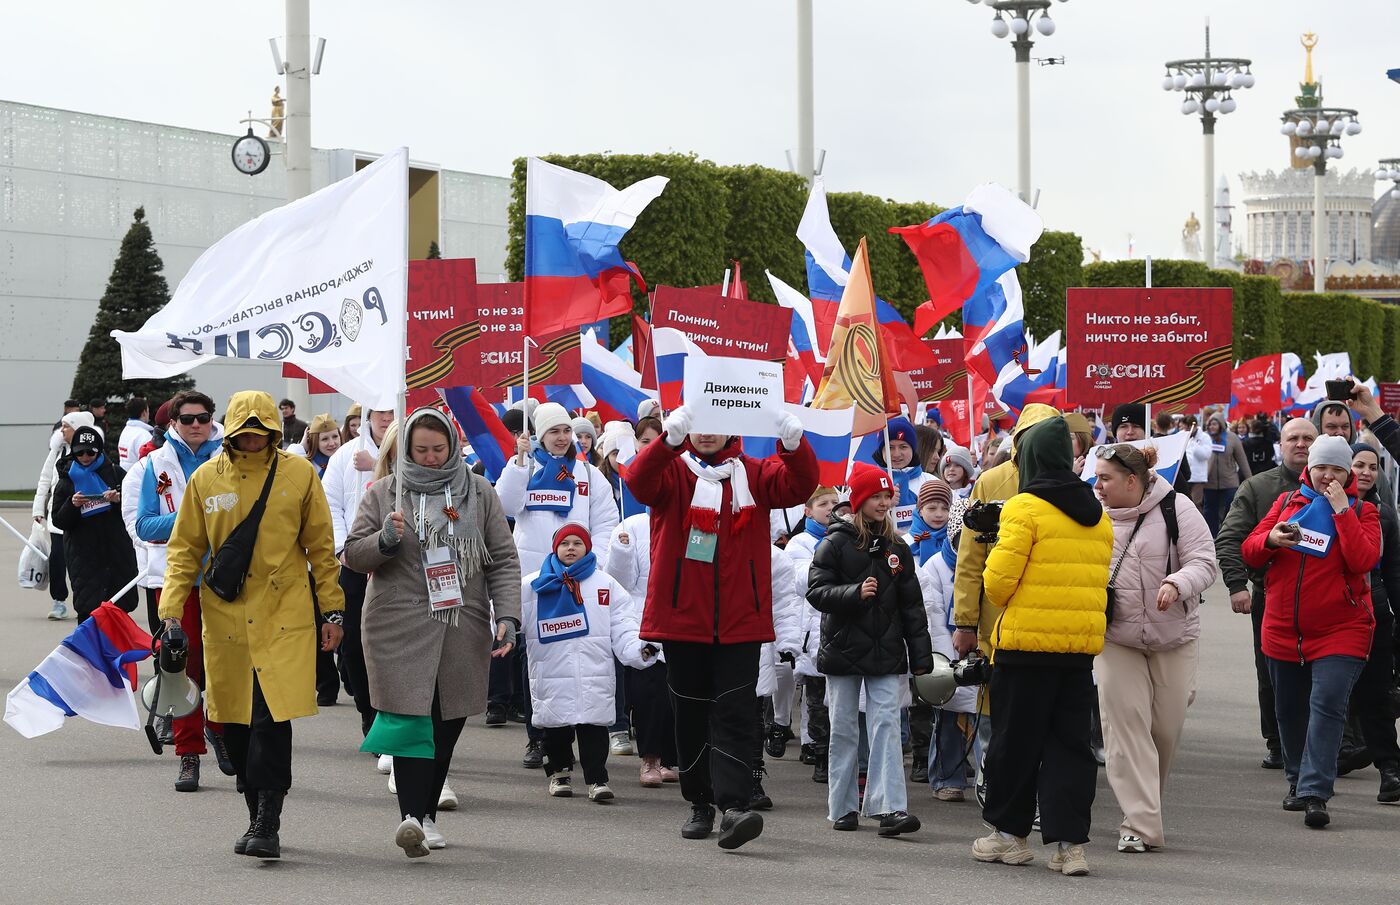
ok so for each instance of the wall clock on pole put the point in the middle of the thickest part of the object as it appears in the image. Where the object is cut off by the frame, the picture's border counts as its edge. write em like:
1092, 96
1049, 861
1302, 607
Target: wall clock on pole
250, 154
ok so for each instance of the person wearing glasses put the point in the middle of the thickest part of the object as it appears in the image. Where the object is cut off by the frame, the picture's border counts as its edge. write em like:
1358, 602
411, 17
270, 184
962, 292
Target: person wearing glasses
192, 439
87, 508
1147, 671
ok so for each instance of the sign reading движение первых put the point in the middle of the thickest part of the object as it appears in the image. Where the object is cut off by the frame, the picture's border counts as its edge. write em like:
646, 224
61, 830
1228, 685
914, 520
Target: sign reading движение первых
733, 395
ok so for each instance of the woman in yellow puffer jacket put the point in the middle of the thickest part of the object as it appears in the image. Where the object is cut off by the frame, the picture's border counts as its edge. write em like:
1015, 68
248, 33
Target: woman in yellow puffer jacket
1049, 574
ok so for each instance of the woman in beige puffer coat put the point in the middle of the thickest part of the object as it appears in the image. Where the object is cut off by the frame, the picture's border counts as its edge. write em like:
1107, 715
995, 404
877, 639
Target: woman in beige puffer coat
1147, 672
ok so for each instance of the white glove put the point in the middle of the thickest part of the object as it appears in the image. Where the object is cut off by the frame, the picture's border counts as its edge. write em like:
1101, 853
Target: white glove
677, 426
789, 431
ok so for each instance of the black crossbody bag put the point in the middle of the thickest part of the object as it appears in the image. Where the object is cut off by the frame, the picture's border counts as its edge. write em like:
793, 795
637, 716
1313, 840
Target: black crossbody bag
228, 567
1108, 610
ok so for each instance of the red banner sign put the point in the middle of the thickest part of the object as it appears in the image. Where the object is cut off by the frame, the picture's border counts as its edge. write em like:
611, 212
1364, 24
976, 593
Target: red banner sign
1157, 346
735, 328
442, 326
948, 377
1255, 384
1388, 396
500, 361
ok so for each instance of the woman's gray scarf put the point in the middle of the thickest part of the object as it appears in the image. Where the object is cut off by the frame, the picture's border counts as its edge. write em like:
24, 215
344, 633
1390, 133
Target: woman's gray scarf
429, 486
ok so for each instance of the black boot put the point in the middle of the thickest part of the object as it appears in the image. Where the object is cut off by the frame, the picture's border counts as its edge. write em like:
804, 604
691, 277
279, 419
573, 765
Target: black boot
1350, 760
701, 822
1390, 784
807, 754
775, 744
188, 780
919, 772
1316, 816
264, 843
819, 769
220, 750
758, 799
241, 846
738, 827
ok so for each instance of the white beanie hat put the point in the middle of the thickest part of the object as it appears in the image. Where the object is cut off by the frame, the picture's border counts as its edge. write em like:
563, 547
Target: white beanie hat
584, 426
548, 415
648, 408
1330, 451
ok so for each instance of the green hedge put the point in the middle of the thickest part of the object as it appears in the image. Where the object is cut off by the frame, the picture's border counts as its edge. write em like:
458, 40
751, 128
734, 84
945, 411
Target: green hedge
1268, 320
711, 214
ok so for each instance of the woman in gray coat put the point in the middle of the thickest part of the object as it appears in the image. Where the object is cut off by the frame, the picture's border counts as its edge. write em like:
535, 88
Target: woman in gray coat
442, 568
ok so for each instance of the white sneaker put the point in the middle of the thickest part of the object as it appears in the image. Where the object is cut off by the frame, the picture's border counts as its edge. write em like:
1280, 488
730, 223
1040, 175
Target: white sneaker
411, 838
393, 786
1130, 843
559, 785
599, 791
385, 764
447, 801
431, 835
59, 611
620, 743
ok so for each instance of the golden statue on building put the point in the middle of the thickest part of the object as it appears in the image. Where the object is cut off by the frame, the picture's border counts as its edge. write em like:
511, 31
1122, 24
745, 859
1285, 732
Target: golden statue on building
1191, 239
279, 113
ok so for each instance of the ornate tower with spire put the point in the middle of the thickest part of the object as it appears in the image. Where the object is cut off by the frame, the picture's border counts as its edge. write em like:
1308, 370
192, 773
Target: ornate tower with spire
1310, 96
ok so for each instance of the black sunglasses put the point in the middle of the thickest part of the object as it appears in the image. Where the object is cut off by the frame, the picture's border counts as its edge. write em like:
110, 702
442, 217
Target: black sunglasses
83, 453
202, 418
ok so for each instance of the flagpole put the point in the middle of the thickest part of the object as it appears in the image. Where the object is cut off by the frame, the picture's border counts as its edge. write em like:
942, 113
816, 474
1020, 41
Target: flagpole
401, 444
24, 540
724, 287
889, 466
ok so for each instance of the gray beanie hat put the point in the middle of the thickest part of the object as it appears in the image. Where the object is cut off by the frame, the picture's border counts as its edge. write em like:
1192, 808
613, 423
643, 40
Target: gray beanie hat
1330, 451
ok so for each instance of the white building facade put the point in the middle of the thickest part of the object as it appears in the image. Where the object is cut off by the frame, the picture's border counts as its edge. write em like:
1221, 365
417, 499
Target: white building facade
69, 183
1279, 212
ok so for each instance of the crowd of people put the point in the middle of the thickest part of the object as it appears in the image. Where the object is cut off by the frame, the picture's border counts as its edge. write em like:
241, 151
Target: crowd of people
741, 605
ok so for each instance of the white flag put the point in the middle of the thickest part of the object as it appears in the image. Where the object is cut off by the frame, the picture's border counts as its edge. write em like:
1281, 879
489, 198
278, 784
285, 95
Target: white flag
319, 282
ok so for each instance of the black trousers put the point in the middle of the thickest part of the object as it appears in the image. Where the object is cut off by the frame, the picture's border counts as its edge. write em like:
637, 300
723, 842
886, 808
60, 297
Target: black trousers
262, 750
352, 654
418, 781
1040, 751
651, 712
920, 729
1268, 720
503, 685
1370, 696
715, 705
592, 751
58, 570
818, 719
153, 609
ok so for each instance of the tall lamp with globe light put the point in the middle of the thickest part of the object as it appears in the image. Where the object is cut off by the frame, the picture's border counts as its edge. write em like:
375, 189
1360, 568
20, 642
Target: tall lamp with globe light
1318, 133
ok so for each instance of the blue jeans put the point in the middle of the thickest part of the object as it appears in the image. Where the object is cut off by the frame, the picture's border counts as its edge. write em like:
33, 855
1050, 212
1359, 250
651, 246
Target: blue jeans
1311, 703
1217, 503
884, 784
947, 756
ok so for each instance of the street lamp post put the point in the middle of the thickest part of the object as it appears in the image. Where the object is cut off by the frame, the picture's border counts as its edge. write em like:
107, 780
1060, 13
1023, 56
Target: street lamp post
1207, 83
1318, 132
1390, 172
1021, 18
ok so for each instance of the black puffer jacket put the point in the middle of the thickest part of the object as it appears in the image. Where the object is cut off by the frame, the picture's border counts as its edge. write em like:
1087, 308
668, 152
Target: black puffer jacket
885, 635
97, 549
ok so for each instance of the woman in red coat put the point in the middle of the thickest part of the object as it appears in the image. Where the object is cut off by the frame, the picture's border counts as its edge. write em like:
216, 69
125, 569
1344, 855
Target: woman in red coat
709, 600
1319, 543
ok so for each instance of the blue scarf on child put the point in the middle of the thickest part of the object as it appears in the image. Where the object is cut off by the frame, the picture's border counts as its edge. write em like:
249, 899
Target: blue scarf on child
561, 613
1317, 522
926, 541
816, 529
89, 483
903, 477
552, 485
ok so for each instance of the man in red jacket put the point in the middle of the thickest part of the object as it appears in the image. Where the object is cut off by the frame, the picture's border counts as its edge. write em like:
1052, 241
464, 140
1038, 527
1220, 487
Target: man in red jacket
709, 600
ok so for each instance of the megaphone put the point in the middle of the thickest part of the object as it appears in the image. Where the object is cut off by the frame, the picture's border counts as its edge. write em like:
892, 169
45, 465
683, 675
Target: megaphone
169, 693
945, 677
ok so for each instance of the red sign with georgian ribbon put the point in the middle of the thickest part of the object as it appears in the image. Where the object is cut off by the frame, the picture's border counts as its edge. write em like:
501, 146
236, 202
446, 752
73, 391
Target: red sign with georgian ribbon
1255, 384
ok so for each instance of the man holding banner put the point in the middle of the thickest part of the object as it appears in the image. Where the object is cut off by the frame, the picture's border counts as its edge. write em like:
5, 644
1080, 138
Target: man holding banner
709, 600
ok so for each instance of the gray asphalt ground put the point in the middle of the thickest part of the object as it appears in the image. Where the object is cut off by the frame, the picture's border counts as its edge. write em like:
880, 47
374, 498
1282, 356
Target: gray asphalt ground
90, 815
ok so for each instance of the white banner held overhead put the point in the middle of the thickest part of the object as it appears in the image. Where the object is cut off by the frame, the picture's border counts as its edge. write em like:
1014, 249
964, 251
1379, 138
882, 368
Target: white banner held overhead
733, 395
319, 282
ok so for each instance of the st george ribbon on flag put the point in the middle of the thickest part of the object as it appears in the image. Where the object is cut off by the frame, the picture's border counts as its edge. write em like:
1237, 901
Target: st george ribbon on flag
320, 282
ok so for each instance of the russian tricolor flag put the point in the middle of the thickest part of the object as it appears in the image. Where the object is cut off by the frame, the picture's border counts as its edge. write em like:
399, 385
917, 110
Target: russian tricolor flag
802, 334
1171, 449
616, 388
671, 347
574, 273
491, 442
829, 433
91, 674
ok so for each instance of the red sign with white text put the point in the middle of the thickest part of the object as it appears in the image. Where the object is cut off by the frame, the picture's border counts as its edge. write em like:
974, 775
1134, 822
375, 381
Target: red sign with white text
948, 378
500, 361
442, 325
1255, 384
1156, 346
1388, 395
735, 328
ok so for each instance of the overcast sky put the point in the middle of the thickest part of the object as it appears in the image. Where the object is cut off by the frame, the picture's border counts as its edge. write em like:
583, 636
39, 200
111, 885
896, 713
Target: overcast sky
914, 98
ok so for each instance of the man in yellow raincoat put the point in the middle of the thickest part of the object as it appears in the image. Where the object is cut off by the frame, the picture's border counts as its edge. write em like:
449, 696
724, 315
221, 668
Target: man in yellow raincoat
260, 649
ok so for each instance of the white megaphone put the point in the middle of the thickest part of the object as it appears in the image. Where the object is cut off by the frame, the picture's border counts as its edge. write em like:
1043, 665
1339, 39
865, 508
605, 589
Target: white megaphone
936, 686
169, 693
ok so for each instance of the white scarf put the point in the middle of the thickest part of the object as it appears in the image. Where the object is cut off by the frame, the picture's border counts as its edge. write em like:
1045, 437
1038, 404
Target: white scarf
709, 493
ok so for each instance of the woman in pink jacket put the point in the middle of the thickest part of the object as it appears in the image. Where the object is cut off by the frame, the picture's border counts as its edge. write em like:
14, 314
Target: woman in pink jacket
1147, 671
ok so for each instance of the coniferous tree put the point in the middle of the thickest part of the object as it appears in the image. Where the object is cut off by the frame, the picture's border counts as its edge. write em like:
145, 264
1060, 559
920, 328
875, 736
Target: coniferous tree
434, 253
135, 291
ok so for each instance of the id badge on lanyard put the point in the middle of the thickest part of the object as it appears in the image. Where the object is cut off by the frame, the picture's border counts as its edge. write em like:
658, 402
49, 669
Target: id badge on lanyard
440, 573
